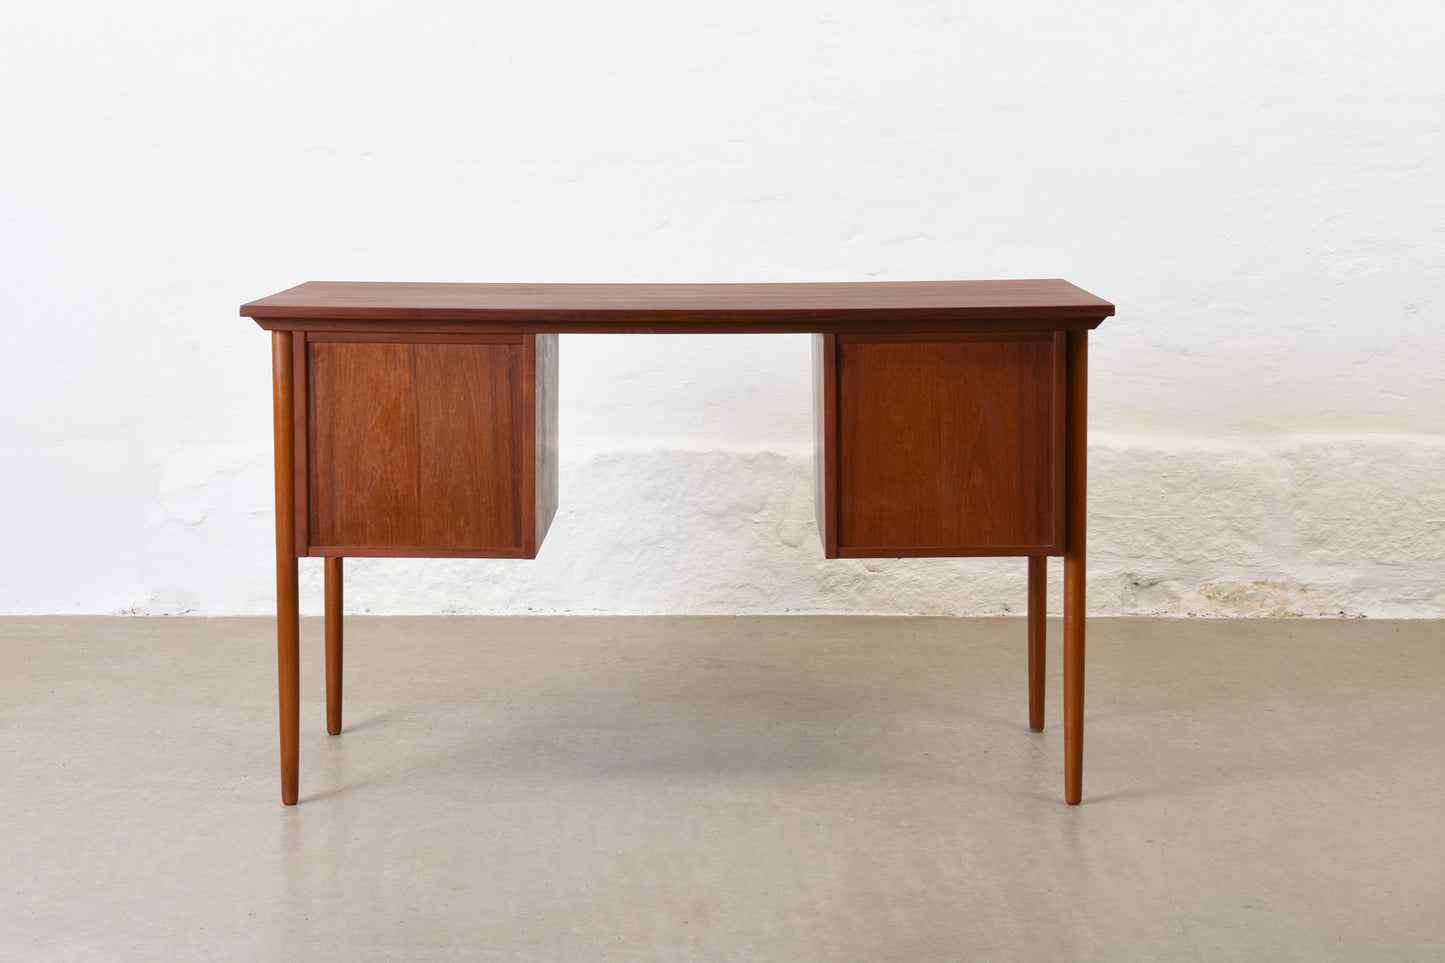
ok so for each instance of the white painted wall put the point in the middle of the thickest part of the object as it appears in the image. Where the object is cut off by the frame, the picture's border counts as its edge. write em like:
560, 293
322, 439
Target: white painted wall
1260, 188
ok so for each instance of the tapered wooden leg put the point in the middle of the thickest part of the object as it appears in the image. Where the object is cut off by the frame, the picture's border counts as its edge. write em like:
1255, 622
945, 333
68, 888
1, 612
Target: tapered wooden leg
288, 624
333, 646
1038, 610
1075, 519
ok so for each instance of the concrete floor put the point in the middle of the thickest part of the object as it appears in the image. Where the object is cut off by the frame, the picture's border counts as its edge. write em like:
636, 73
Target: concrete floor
791, 788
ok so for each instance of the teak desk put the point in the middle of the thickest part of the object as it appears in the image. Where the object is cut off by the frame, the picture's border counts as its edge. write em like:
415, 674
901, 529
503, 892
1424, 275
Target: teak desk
420, 420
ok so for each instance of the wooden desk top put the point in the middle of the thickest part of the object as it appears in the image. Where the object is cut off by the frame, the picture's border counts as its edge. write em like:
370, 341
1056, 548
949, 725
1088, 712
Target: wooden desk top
699, 308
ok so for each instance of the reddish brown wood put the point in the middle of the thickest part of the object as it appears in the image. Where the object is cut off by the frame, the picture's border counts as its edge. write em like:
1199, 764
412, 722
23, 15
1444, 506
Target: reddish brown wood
429, 448
364, 445
413, 551
523, 403
825, 441
830, 307
1076, 523
298, 421
288, 624
1059, 441
621, 325
410, 420
332, 581
946, 445
1038, 639
412, 337
473, 467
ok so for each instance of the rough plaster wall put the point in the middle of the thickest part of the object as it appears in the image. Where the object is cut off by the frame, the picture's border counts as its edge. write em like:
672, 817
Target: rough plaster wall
1180, 527
1258, 186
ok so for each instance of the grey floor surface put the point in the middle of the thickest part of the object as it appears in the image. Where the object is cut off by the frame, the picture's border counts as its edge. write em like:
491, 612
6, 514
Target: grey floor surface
790, 788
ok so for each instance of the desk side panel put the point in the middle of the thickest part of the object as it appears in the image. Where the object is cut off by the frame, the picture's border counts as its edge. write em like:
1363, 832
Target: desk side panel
825, 443
947, 445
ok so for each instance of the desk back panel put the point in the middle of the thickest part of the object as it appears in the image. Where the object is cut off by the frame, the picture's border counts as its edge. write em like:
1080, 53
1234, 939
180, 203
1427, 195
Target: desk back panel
945, 444
427, 445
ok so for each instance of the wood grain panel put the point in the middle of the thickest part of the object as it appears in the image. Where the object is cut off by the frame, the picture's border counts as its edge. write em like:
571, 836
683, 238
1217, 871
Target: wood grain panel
362, 454
420, 449
947, 446
470, 435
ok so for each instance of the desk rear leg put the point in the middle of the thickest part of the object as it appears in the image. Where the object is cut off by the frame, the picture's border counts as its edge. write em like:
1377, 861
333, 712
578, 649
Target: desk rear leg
1038, 610
333, 645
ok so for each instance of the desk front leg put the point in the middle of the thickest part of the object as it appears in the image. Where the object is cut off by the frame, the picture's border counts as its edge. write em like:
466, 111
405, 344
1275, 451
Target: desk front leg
288, 623
1075, 514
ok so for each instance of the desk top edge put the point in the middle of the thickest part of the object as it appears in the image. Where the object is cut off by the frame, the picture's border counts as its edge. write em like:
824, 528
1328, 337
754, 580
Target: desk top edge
583, 306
